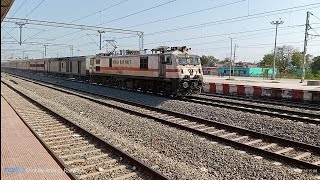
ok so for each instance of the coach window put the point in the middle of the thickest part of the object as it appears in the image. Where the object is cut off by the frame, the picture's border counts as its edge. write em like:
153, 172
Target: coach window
97, 68
97, 61
110, 62
62, 65
143, 62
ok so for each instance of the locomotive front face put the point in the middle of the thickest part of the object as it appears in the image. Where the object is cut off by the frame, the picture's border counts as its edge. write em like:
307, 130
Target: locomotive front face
190, 73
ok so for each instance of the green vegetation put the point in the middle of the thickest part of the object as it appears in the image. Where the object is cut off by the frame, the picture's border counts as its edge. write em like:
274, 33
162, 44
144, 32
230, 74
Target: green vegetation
289, 63
208, 61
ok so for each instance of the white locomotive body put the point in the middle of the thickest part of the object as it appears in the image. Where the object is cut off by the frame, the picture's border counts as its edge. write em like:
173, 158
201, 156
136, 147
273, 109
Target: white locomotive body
174, 71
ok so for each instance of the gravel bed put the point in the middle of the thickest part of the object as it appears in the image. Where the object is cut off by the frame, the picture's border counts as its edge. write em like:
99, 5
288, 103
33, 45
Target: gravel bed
284, 128
177, 153
261, 123
263, 105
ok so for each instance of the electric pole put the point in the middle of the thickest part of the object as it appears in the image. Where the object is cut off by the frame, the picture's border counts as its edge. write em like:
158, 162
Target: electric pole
230, 59
305, 47
277, 23
71, 50
234, 56
100, 32
45, 50
20, 26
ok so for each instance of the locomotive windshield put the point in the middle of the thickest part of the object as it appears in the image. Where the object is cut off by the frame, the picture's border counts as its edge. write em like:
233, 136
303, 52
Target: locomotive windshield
183, 60
193, 60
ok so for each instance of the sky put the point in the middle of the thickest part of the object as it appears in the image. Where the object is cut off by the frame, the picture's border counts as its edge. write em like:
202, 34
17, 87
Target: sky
205, 26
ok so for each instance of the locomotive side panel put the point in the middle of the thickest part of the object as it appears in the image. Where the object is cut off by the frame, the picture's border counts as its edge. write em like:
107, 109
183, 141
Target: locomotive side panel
143, 66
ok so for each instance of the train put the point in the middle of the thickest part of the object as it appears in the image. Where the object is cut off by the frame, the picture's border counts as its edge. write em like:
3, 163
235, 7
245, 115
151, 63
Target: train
168, 70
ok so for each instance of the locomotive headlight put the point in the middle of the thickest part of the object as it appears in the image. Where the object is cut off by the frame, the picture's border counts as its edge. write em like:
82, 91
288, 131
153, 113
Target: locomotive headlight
185, 85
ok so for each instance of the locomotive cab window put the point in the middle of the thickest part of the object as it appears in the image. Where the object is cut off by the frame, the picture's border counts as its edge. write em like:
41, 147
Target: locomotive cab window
143, 62
182, 60
97, 61
168, 60
194, 60
97, 68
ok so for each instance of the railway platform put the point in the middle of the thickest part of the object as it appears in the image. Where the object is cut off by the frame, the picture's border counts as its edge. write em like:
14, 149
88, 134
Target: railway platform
22, 155
260, 87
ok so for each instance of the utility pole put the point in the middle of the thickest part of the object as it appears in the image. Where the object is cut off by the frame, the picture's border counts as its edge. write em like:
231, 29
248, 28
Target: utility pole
234, 56
305, 47
100, 32
45, 50
277, 23
20, 26
230, 59
71, 50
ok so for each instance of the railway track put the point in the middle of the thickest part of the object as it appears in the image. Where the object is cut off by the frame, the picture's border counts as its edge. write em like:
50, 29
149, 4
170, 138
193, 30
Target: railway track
288, 151
259, 109
313, 106
82, 154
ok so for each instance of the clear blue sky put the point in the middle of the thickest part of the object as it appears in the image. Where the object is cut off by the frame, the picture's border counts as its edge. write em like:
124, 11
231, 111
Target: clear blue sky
254, 34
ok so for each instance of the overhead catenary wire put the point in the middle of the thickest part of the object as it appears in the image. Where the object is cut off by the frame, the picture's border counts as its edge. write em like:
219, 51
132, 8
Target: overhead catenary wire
109, 7
34, 9
254, 45
186, 14
235, 19
28, 13
141, 11
204, 36
241, 32
132, 14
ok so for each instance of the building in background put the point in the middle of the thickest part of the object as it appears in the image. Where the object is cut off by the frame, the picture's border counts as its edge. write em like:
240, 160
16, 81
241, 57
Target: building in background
246, 71
210, 70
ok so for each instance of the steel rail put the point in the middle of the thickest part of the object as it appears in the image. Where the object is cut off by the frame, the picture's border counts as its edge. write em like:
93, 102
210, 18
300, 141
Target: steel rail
293, 104
145, 168
270, 138
258, 109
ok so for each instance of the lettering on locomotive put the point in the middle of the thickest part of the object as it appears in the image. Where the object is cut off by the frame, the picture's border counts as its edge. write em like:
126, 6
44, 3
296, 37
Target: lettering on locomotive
126, 62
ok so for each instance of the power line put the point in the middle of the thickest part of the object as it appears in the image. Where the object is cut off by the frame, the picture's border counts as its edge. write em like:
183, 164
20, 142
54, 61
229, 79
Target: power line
315, 16
228, 34
19, 8
100, 11
30, 37
132, 14
9, 34
34, 8
138, 12
208, 42
235, 19
27, 14
241, 18
182, 15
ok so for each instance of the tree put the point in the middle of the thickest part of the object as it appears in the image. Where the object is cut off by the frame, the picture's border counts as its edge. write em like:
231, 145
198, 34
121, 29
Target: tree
208, 60
315, 65
267, 60
309, 59
296, 59
284, 54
